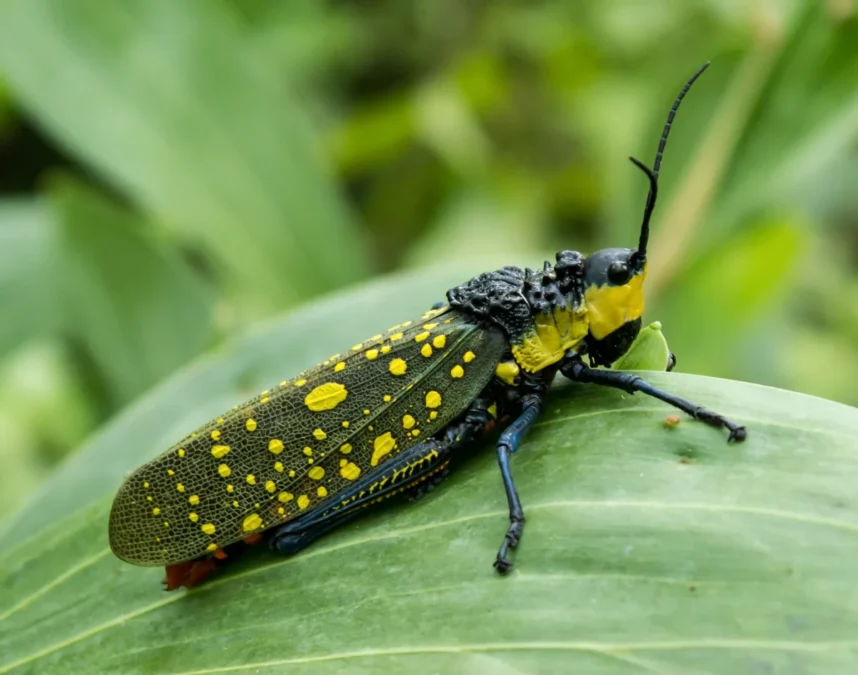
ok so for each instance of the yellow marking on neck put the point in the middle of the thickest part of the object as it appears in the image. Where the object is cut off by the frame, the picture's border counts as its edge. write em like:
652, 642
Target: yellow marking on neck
508, 371
549, 339
610, 307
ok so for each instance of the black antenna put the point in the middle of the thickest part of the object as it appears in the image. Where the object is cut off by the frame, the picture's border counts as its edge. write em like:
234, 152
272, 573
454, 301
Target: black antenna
640, 254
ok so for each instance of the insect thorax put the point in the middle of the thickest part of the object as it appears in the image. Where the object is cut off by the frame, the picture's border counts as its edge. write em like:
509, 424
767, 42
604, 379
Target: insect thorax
543, 313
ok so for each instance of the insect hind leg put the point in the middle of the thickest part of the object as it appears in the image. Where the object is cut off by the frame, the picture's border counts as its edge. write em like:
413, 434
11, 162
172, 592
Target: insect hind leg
398, 475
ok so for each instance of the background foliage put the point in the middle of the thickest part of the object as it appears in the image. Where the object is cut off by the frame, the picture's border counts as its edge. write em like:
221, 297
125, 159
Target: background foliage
171, 172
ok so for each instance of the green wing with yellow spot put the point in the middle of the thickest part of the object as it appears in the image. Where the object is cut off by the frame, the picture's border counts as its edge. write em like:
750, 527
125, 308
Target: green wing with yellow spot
295, 447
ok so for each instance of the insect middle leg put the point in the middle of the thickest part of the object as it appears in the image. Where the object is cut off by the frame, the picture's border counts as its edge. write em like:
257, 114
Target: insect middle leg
509, 443
576, 370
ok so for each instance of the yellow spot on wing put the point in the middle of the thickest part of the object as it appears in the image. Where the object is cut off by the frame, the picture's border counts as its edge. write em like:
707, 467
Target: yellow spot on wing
357, 347
345, 424
285, 497
372, 354
170, 472
456, 372
421, 336
433, 399
219, 451
156, 511
322, 491
251, 479
408, 421
303, 502
252, 522
278, 467
308, 451
224, 471
326, 396
270, 486
382, 445
193, 516
385, 349
469, 356
350, 471
429, 326
426, 350
316, 473
339, 366
396, 336
145, 484
301, 382
398, 367
387, 398
193, 500
346, 448
208, 528
439, 341
181, 452
211, 548
275, 445
319, 435
216, 435
180, 487
250, 424
433, 415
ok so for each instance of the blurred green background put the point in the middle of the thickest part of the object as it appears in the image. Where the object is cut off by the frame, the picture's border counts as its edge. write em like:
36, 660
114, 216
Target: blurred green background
173, 172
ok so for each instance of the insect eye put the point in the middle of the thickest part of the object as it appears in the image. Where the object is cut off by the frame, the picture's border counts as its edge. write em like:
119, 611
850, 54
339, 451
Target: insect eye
619, 273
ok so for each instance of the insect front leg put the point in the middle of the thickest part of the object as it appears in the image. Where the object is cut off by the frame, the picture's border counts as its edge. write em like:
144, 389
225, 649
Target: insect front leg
509, 443
575, 370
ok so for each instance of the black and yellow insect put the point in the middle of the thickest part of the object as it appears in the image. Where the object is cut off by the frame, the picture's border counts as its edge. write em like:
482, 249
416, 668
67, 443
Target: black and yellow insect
388, 416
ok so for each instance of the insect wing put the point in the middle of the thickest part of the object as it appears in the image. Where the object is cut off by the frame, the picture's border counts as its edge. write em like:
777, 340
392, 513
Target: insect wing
293, 448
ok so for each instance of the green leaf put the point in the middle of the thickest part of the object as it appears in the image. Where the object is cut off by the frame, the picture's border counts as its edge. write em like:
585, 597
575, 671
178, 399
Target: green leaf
27, 279
648, 352
172, 103
136, 307
646, 549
